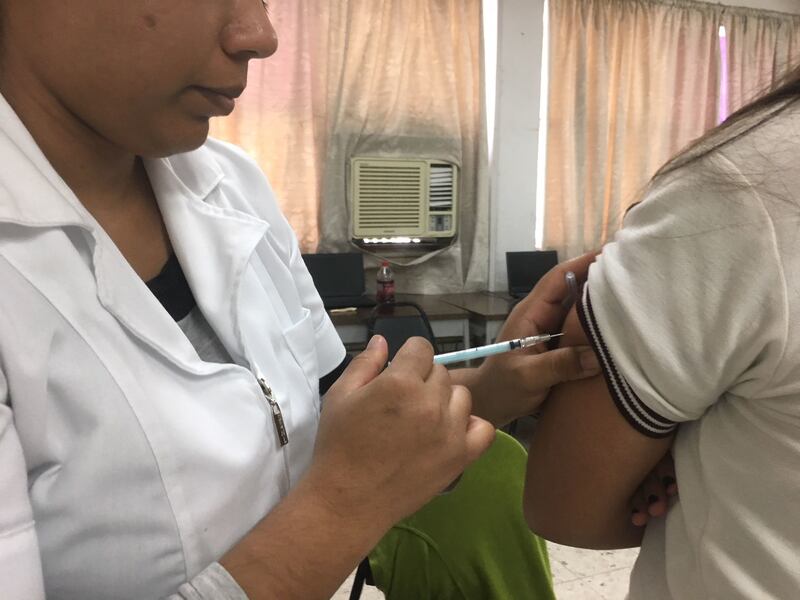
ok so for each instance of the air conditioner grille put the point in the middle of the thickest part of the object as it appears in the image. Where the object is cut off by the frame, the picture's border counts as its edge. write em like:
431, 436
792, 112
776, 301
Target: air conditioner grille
390, 197
403, 197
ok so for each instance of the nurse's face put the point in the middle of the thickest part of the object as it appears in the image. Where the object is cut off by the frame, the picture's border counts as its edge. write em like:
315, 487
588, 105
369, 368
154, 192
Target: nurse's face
145, 75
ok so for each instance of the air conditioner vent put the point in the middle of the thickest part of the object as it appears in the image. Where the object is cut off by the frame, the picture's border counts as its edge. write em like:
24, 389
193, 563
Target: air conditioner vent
442, 188
414, 198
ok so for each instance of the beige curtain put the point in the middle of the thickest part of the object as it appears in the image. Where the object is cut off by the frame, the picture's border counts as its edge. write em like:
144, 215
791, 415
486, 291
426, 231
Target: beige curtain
379, 78
762, 47
631, 83
274, 120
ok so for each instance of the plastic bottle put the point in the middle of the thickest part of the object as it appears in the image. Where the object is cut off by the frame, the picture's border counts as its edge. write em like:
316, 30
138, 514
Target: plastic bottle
385, 281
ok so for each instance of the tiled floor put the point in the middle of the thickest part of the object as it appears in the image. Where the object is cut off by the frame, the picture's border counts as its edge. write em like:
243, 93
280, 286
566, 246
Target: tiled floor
590, 574
577, 575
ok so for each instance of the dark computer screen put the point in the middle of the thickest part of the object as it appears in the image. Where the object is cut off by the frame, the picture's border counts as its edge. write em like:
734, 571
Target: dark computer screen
526, 268
339, 274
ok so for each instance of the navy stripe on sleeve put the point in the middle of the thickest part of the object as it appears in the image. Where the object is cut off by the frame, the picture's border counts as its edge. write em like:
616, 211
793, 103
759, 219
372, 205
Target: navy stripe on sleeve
641, 417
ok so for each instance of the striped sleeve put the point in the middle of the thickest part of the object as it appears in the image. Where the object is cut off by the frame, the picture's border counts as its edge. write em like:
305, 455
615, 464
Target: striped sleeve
686, 306
640, 416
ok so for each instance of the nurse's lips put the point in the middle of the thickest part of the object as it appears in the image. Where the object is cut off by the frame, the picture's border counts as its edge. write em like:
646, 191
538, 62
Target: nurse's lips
222, 100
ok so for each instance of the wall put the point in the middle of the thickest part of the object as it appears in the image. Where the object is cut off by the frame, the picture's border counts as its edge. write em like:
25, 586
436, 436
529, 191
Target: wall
516, 135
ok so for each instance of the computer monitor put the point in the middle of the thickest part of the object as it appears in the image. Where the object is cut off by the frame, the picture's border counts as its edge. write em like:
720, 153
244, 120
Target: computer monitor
339, 279
526, 268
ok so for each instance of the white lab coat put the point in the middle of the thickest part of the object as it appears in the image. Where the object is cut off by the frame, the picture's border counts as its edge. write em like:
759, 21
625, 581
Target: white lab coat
139, 463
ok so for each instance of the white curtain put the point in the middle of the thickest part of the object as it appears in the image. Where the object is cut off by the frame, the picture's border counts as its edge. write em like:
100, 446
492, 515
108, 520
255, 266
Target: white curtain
632, 82
379, 78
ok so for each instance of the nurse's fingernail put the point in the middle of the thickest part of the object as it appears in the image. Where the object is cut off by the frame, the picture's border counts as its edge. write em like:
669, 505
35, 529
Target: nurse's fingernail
589, 363
373, 342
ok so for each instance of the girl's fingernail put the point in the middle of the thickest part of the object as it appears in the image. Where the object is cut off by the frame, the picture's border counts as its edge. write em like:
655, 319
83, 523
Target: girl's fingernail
572, 290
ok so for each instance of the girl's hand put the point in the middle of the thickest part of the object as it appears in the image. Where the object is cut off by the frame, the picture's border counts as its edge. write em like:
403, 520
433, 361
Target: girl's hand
514, 384
652, 498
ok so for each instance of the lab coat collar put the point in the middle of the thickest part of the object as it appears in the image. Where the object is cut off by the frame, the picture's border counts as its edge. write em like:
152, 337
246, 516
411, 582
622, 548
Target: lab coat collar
193, 174
212, 240
213, 243
31, 191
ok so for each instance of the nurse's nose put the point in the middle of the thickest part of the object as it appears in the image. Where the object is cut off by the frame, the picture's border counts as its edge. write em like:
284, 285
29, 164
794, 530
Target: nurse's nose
250, 33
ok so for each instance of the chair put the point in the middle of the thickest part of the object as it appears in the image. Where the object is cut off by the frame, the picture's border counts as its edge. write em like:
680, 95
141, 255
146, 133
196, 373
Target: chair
470, 543
398, 321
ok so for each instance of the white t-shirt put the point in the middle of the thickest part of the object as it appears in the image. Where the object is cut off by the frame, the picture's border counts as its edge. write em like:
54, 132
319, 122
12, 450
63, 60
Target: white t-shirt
695, 310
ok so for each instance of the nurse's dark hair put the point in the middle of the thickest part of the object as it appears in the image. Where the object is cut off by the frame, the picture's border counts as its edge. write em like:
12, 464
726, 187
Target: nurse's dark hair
775, 100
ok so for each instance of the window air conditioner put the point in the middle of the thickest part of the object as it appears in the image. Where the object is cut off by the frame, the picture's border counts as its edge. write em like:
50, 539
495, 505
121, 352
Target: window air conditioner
403, 202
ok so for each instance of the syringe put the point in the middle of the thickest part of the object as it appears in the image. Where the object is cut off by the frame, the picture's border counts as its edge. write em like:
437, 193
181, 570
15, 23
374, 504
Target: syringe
491, 349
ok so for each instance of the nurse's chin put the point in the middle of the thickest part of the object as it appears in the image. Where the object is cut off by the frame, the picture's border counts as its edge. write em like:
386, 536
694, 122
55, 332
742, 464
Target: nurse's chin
189, 136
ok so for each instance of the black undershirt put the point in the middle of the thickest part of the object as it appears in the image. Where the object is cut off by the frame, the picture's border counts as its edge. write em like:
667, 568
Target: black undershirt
328, 380
172, 289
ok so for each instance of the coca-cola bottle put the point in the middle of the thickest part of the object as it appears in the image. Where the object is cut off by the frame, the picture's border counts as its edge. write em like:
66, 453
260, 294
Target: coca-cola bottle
385, 281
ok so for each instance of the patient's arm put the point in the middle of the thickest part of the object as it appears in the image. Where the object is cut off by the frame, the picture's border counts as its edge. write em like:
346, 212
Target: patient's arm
585, 464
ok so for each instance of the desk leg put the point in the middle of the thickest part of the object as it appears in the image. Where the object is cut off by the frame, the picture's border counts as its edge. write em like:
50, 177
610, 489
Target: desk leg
493, 330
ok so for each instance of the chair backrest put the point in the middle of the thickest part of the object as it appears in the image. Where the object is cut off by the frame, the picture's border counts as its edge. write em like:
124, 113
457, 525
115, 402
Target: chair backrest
398, 321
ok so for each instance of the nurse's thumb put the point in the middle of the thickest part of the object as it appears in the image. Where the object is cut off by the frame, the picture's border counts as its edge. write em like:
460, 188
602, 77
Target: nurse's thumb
365, 367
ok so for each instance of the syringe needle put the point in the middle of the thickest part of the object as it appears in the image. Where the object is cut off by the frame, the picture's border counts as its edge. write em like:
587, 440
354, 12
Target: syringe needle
538, 339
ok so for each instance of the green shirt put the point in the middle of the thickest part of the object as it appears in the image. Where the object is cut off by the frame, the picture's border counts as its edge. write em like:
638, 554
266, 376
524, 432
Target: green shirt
470, 544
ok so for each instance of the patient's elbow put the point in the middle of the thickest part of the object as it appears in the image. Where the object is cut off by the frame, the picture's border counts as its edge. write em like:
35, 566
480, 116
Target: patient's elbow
562, 518
531, 518
556, 515
541, 519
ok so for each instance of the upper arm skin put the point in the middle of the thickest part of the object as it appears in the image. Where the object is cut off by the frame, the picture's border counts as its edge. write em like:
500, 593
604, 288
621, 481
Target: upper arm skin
585, 463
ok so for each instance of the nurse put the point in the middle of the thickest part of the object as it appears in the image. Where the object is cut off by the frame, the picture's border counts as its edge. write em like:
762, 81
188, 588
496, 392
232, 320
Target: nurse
161, 343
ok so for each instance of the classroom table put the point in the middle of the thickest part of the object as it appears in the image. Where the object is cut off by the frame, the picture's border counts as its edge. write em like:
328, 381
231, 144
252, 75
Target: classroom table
470, 319
487, 310
450, 323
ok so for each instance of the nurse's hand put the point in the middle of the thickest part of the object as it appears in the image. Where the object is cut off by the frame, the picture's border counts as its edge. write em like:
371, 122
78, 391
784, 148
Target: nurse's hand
514, 384
390, 440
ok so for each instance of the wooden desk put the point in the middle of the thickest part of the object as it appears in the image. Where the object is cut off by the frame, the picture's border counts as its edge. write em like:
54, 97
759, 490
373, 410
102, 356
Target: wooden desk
487, 310
449, 321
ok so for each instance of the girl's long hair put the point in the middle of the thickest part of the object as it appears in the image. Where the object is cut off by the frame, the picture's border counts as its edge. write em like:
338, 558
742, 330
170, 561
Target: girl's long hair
774, 101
